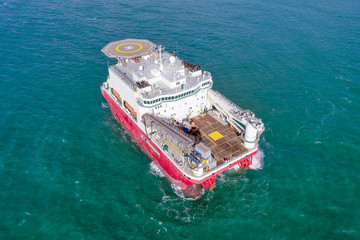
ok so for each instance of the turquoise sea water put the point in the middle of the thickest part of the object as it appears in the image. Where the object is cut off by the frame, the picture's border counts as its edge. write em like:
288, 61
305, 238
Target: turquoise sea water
69, 171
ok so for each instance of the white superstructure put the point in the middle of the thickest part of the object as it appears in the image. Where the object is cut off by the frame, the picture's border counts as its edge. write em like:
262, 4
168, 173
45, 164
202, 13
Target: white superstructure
162, 86
182, 121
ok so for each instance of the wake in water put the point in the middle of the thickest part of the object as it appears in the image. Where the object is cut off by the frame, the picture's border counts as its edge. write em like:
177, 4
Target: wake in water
179, 193
258, 160
155, 170
194, 189
104, 105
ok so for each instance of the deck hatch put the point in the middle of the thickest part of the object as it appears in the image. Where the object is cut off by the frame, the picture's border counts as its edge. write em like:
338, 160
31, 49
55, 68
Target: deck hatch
216, 135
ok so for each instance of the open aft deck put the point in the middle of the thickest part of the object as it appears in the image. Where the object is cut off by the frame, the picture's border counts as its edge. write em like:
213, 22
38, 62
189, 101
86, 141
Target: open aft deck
224, 142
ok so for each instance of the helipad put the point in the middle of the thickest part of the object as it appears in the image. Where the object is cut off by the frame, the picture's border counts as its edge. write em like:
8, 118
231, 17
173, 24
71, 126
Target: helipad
128, 48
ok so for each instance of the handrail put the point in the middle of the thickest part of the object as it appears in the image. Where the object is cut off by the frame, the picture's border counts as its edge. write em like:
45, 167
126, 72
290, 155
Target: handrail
126, 79
235, 112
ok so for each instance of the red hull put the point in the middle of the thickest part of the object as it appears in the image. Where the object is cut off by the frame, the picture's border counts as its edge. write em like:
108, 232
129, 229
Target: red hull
170, 170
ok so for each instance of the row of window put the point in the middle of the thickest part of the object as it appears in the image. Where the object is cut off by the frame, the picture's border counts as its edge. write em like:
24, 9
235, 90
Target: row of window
205, 84
174, 97
169, 98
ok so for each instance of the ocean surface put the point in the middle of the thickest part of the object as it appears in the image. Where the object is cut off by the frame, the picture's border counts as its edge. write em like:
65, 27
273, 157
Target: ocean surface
69, 171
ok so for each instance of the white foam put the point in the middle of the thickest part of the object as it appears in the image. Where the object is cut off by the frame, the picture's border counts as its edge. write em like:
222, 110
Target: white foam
155, 170
235, 168
22, 222
258, 160
104, 105
298, 131
221, 178
179, 193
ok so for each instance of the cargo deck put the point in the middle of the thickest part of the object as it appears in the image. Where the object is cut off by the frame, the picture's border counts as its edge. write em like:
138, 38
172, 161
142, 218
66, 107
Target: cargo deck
223, 141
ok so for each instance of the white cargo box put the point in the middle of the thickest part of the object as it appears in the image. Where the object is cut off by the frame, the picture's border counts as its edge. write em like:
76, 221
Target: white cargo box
203, 150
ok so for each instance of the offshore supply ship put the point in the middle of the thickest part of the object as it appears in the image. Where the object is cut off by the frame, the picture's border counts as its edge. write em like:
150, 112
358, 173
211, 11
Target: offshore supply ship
191, 132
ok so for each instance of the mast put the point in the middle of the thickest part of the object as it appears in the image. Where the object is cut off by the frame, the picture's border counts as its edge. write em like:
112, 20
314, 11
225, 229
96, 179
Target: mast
160, 58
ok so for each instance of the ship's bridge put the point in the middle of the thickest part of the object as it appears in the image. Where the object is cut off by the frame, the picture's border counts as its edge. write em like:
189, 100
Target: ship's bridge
129, 48
156, 76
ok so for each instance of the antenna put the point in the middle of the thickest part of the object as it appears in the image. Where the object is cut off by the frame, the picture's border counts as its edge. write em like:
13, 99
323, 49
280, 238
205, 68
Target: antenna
160, 56
177, 51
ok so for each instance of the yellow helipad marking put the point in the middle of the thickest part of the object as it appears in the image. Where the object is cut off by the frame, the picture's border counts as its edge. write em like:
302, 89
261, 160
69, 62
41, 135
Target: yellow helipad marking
140, 47
216, 135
